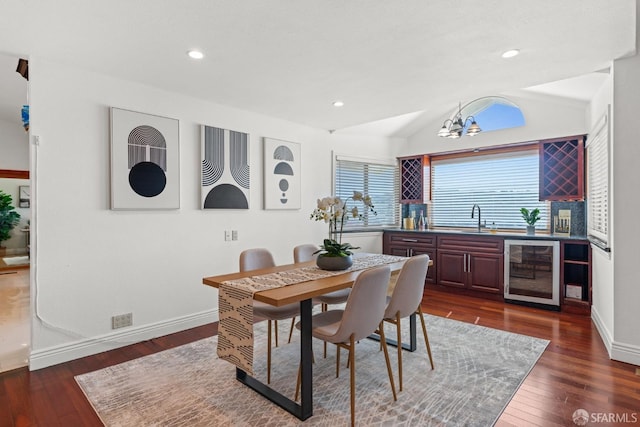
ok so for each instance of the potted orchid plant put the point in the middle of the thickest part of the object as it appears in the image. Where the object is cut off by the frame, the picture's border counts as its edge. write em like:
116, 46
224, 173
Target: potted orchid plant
335, 255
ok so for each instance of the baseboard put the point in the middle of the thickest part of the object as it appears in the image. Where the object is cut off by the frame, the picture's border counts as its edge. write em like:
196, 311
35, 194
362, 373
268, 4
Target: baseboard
63, 353
605, 334
619, 351
627, 353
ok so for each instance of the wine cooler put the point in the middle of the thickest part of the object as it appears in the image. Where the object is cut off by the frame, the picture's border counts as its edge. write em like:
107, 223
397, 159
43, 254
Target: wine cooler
531, 272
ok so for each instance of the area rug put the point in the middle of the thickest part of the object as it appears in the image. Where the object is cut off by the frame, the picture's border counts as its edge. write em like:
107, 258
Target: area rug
477, 371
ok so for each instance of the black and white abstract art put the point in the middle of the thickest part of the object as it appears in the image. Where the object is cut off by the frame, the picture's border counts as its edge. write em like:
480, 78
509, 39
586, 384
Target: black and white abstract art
144, 161
225, 169
281, 174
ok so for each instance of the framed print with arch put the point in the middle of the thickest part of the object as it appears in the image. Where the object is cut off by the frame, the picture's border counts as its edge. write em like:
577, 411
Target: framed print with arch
144, 161
225, 177
282, 178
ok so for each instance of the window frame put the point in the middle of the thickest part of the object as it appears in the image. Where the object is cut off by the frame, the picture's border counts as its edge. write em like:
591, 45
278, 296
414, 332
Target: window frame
599, 138
497, 150
362, 226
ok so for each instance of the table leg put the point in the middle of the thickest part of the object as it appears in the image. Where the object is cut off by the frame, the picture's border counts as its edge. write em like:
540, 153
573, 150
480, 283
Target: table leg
305, 409
412, 336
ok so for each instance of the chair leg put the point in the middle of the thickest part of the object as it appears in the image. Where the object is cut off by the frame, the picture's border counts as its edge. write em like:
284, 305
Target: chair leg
352, 362
293, 325
269, 352
337, 361
399, 336
324, 308
275, 323
426, 338
298, 381
383, 340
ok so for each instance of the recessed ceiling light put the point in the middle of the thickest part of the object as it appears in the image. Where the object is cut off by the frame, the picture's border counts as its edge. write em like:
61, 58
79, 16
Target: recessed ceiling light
195, 54
510, 53
338, 103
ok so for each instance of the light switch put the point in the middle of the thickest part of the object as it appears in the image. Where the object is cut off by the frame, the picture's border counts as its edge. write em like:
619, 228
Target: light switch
227, 235
234, 235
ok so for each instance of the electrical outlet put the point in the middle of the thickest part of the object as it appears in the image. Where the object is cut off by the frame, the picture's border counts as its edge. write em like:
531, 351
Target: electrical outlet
234, 234
227, 235
121, 321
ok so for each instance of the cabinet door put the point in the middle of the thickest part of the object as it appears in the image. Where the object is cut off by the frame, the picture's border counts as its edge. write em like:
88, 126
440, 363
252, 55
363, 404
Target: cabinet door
431, 272
451, 269
486, 272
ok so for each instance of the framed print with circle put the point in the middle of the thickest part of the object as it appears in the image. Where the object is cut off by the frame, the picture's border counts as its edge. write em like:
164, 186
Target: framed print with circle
282, 178
144, 161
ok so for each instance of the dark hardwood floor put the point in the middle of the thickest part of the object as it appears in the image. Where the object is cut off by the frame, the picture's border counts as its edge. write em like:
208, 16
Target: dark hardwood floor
573, 373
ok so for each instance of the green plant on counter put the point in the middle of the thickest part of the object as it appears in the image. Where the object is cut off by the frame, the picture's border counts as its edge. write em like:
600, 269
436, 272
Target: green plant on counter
9, 218
530, 217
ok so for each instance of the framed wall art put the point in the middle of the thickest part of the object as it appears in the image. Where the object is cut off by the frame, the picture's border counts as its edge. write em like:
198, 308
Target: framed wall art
144, 161
24, 196
225, 169
282, 179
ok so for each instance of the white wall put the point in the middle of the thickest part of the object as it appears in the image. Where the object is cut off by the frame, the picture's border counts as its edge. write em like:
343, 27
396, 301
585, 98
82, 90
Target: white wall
626, 204
14, 143
93, 263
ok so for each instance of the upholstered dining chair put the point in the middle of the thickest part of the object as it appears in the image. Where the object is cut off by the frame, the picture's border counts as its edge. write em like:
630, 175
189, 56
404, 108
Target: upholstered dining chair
255, 259
362, 316
405, 301
304, 253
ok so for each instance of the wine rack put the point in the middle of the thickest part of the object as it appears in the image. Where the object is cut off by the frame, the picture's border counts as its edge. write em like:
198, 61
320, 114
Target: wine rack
562, 169
411, 179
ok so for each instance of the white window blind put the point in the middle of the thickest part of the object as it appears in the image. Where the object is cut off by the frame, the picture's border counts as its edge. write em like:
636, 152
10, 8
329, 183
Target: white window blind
598, 182
378, 180
499, 183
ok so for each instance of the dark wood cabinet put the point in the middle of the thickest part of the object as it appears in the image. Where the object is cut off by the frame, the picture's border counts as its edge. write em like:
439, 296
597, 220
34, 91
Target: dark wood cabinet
411, 179
562, 169
410, 244
471, 263
575, 276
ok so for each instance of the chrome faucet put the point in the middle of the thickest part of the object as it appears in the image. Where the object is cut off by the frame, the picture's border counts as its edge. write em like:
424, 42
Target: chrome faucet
472, 211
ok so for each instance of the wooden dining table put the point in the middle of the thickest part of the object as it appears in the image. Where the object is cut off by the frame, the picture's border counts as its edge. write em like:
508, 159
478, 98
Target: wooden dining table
301, 293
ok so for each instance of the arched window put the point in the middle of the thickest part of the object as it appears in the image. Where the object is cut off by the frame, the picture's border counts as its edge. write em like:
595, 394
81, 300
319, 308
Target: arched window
493, 113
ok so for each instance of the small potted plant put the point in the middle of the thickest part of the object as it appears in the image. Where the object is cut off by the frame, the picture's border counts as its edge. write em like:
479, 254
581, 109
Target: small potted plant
530, 217
9, 218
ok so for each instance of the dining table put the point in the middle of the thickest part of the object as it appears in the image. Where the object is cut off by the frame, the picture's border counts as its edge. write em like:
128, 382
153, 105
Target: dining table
302, 293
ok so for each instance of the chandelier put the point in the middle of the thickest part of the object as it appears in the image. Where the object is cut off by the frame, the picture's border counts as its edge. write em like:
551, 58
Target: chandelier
453, 127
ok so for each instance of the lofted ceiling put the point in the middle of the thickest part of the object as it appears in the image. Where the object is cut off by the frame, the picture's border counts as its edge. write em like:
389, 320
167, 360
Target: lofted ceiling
398, 59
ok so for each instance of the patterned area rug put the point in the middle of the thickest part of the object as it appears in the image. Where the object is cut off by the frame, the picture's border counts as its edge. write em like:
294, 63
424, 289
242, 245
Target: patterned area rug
477, 371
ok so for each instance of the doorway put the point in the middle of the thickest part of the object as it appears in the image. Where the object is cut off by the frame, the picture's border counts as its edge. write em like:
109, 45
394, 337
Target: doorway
15, 312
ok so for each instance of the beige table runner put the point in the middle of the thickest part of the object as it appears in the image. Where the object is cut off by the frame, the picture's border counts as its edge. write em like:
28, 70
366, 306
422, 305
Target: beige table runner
235, 304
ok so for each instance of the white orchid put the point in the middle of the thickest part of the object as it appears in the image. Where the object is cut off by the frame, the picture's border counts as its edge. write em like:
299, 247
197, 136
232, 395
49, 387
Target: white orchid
333, 210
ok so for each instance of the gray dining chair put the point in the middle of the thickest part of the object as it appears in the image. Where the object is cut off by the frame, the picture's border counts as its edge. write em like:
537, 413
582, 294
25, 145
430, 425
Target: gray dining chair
362, 316
405, 301
306, 252
255, 259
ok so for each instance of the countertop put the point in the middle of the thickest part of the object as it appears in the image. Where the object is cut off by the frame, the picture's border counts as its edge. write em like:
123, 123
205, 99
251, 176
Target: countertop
486, 233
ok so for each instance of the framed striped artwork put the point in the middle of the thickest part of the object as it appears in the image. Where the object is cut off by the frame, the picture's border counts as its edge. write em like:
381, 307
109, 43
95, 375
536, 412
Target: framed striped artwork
225, 178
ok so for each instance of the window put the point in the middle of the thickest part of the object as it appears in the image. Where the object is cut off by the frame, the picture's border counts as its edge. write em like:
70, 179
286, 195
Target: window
598, 184
500, 183
377, 179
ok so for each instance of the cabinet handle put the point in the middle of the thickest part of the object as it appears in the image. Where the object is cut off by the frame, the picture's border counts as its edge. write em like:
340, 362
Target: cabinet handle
464, 263
407, 252
410, 240
469, 263
411, 252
